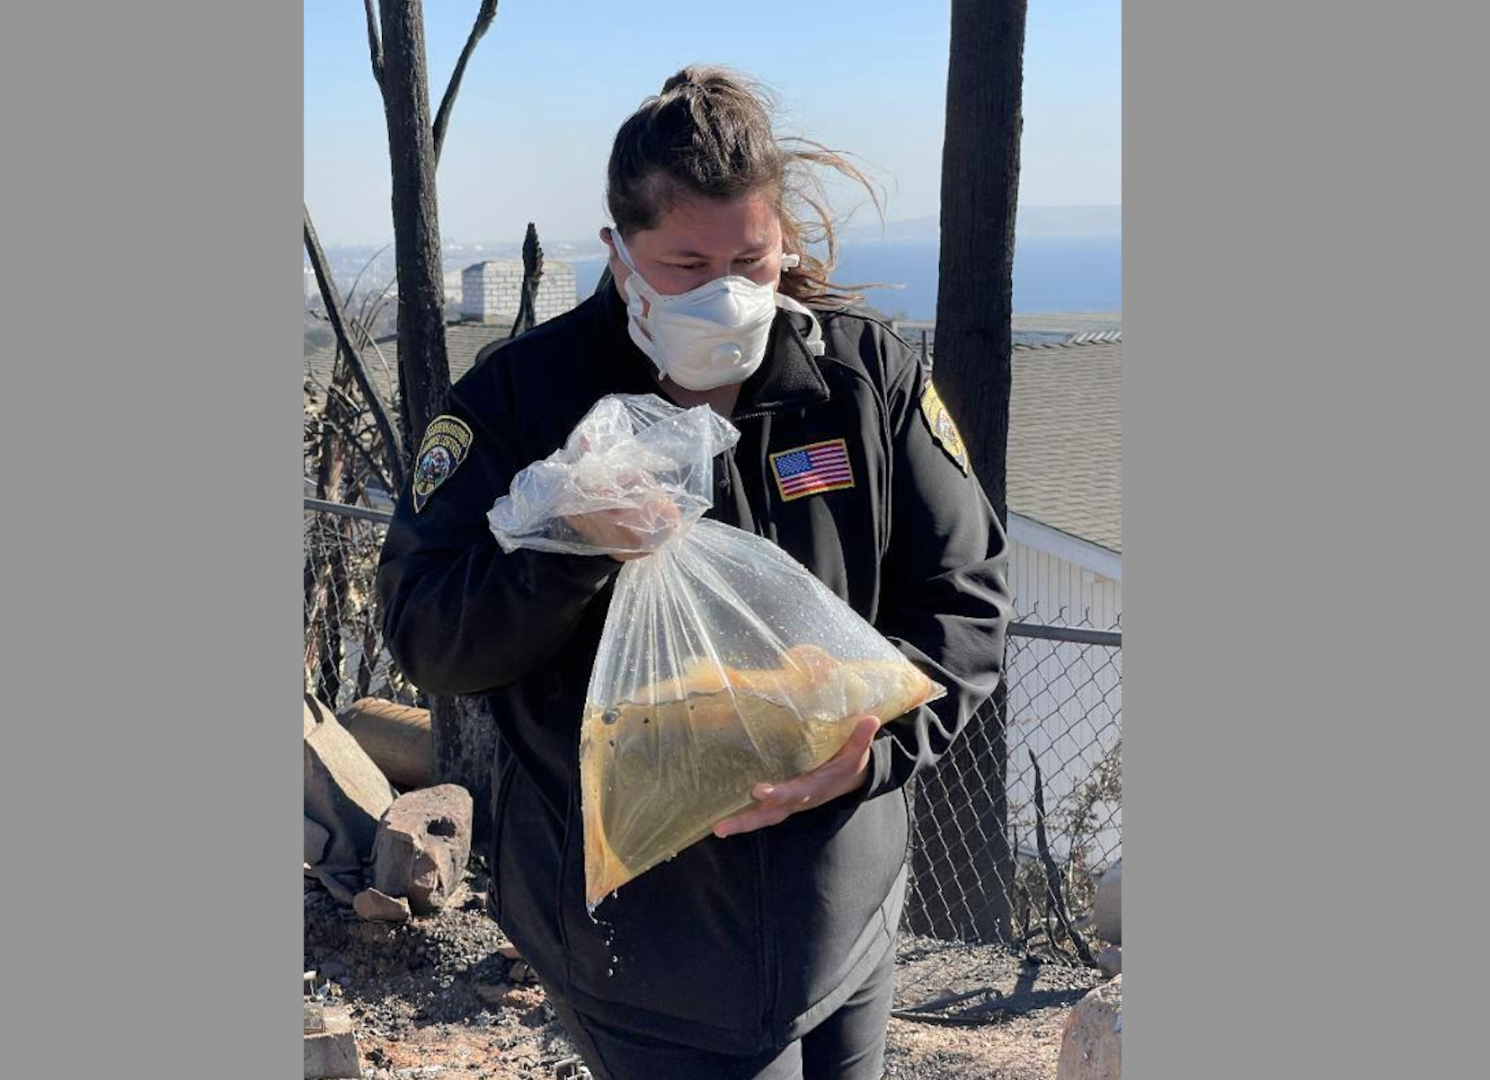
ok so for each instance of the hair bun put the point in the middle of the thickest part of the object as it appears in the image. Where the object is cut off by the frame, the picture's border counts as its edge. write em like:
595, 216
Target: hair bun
689, 76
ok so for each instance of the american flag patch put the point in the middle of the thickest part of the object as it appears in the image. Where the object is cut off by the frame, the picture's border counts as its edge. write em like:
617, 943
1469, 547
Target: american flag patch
808, 470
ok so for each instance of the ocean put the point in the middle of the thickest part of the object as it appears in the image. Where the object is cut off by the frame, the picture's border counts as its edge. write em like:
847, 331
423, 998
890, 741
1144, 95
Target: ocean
1051, 274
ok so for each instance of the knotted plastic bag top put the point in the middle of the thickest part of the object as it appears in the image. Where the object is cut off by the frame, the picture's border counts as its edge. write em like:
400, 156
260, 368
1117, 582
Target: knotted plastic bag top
634, 456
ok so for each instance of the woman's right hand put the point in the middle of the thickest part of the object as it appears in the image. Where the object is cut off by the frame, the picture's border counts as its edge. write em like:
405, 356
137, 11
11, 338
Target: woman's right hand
632, 532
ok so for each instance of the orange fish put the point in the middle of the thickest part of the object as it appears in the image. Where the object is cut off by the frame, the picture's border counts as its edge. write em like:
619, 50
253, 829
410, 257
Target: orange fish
658, 773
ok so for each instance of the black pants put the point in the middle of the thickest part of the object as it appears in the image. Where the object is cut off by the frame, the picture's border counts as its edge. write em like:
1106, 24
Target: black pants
848, 1045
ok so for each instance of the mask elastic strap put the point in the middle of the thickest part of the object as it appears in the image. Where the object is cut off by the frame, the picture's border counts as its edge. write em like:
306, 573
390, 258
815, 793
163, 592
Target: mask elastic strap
615, 237
814, 337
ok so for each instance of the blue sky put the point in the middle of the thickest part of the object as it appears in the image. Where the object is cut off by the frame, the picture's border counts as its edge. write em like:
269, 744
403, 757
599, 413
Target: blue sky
553, 79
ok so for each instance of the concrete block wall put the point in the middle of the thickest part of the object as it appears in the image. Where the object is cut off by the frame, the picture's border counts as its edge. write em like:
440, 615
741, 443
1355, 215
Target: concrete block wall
492, 291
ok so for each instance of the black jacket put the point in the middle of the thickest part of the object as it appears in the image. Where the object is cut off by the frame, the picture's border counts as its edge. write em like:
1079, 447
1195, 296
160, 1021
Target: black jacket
743, 943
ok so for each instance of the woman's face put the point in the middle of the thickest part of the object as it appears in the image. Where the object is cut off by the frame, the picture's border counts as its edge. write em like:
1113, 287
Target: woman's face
701, 239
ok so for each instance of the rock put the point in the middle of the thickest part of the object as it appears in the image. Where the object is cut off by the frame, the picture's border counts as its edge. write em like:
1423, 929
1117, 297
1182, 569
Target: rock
422, 845
344, 791
507, 996
1110, 959
333, 968
343, 888
493, 994
1092, 1046
332, 1052
316, 841
509, 950
1107, 910
315, 1017
375, 906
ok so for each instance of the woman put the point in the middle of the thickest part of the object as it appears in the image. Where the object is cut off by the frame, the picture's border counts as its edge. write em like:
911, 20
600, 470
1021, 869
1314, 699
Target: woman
766, 950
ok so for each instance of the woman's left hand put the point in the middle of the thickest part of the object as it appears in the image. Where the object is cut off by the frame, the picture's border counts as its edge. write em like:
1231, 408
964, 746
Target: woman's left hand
842, 773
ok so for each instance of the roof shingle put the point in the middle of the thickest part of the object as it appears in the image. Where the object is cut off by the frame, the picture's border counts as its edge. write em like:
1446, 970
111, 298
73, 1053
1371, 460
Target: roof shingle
1065, 457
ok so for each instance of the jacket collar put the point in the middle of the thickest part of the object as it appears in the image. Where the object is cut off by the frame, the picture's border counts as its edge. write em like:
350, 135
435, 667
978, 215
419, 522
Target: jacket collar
787, 378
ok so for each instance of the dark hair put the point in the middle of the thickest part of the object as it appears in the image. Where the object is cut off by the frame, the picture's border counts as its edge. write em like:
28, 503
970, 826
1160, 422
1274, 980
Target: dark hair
709, 133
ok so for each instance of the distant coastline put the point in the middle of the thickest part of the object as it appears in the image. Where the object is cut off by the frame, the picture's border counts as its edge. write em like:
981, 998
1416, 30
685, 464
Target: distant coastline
1052, 274
1066, 259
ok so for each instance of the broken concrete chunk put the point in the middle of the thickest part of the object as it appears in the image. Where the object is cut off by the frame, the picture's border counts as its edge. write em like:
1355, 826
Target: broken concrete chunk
343, 887
1092, 1046
316, 841
345, 793
1107, 912
375, 906
332, 1051
1110, 959
422, 845
571, 1068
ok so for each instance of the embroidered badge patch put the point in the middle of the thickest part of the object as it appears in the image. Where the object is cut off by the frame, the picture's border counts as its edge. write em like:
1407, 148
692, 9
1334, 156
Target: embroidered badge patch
812, 469
943, 429
446, 443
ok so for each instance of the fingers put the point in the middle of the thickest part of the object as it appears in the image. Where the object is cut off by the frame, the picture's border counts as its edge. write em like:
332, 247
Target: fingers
757, 818
839, 775
860, 738
628, 533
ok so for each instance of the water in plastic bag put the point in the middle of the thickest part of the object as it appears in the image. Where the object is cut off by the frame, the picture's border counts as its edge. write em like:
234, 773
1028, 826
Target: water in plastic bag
723, 662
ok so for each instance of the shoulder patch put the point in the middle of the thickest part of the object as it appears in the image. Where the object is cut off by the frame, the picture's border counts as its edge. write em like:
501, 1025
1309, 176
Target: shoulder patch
446, 443
943, 430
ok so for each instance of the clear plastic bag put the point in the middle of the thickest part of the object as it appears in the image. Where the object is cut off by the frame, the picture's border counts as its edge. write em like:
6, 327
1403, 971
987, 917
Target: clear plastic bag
723, 662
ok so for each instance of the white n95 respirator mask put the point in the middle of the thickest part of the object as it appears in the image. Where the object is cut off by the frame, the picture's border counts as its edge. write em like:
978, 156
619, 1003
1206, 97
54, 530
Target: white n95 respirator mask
708, 337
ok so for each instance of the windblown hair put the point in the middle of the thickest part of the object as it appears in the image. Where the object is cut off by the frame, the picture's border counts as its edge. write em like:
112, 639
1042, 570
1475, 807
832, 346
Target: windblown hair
709, 133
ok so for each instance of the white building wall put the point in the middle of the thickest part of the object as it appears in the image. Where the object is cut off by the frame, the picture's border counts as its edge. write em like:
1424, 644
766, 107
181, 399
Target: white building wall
1065, 699
1054, 584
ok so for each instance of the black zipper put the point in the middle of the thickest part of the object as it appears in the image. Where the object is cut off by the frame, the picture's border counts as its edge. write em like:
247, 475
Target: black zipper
770, 963
768, 521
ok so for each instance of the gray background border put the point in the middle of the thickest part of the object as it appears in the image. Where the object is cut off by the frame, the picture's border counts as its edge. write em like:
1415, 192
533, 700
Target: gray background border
1302, 409
1305, 387
152, 533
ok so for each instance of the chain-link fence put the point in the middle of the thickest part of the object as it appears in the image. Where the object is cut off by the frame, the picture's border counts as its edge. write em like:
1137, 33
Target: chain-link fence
1009, 831
344, 654
1007, 860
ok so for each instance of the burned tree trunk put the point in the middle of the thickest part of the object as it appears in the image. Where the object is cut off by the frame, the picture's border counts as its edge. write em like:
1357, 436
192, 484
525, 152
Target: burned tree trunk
464, 738
980, 178
423, 366
527, 308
